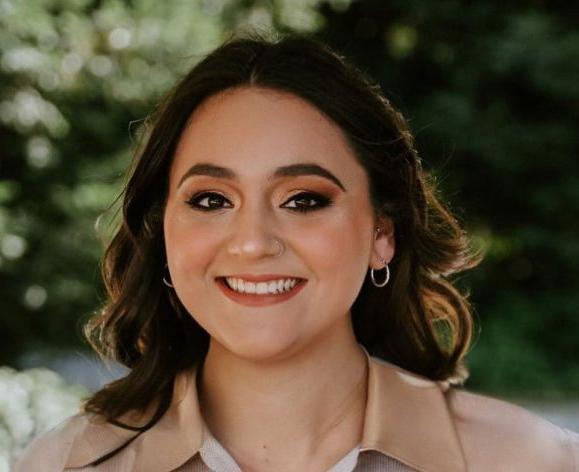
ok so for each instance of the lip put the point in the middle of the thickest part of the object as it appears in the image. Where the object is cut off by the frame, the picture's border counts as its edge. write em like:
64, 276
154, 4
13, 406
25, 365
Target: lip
255, 300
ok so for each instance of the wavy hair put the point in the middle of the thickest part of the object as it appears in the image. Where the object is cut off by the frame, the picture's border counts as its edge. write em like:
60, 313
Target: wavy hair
419, 321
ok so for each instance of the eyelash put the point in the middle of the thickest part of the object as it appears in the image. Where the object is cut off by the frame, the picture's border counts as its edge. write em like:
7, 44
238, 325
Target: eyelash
323, 201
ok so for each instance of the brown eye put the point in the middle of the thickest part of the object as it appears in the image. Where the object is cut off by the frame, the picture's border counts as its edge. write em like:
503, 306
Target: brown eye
211, 201
304, 202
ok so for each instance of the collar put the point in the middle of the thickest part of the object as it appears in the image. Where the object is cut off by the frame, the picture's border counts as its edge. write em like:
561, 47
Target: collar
406, 418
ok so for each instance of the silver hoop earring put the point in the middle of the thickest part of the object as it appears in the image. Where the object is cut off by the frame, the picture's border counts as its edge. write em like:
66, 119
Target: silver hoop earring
385, 267
385, 280
165, 280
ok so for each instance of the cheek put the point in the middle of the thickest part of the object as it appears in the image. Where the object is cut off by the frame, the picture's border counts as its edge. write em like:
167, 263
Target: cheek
189, 245
338, 248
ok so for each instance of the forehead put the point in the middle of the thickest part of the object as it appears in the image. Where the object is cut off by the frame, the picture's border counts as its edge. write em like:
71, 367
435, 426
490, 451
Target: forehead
252, 130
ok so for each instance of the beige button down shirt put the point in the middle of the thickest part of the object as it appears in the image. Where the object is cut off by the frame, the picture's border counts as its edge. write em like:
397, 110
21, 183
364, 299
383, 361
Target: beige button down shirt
411, 424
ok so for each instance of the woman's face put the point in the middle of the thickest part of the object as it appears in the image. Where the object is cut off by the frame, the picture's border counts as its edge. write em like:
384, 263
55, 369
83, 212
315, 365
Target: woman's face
227, 218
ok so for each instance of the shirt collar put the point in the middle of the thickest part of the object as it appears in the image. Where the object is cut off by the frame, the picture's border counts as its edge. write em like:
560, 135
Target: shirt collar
406, 418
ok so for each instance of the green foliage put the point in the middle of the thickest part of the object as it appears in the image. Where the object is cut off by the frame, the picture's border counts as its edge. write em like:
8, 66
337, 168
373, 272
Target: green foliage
490, 89
74, 76
491, 92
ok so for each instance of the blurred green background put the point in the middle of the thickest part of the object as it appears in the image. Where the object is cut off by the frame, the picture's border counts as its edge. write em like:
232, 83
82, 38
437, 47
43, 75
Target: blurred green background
491, 90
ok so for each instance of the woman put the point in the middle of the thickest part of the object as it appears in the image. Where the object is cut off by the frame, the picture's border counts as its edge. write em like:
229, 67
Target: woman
273, 176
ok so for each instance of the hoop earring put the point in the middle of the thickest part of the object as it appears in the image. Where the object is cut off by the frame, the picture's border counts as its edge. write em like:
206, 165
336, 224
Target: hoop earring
168, 284
385, 280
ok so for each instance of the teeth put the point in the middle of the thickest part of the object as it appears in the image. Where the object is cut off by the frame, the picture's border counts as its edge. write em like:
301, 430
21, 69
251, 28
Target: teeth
260, 288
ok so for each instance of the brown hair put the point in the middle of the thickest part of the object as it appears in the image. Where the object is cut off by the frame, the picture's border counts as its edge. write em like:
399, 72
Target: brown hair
419, 321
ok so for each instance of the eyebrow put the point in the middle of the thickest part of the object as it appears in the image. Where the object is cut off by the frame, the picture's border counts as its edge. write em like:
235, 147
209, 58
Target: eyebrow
292, 170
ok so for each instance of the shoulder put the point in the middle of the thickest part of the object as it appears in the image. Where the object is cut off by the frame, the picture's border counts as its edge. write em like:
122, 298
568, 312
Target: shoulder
496, 432
48, 452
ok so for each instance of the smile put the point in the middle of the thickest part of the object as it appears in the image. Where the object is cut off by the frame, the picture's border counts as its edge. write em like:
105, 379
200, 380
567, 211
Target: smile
259, 299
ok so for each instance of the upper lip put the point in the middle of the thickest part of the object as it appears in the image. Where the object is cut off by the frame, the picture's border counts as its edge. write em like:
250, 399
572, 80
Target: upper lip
262, 277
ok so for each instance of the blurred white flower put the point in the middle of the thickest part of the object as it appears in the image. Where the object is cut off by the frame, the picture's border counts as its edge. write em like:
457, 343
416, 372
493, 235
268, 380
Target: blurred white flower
32, 401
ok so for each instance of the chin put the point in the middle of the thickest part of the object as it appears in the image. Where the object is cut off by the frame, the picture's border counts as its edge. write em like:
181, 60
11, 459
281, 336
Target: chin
261, 349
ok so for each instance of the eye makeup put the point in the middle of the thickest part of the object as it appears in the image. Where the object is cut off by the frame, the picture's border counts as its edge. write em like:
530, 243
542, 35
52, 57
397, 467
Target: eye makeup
203, 201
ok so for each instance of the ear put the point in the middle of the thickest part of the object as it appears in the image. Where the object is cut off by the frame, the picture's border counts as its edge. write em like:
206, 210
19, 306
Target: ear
384, 245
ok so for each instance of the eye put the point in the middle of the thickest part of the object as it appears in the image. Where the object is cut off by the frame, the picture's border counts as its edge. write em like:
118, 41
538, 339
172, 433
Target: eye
214, 200
309, 197
210, 198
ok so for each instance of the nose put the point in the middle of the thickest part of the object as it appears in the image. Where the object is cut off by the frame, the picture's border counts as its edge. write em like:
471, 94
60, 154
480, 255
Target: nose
253, 235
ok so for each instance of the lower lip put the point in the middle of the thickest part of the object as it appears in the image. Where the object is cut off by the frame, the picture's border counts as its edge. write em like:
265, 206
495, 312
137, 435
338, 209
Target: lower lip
252, 299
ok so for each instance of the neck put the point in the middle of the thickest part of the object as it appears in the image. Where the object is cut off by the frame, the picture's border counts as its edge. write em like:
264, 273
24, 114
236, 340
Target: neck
307, 408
